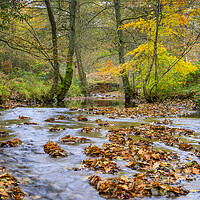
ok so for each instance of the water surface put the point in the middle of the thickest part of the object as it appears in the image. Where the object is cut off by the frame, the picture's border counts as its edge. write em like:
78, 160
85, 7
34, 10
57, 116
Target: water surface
43, 177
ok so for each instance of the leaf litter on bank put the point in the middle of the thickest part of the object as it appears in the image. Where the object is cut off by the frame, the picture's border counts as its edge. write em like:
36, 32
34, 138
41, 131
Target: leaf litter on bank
164, 122
106, 124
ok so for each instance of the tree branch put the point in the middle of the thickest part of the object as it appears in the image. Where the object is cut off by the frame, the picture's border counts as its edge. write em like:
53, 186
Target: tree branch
186, 51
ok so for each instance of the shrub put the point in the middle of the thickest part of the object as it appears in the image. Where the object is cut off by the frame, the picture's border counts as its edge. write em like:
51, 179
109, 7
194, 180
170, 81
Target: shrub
75, 88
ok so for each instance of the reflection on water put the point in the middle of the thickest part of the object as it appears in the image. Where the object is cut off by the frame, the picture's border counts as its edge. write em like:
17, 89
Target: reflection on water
86, 103
43, 177
194, 114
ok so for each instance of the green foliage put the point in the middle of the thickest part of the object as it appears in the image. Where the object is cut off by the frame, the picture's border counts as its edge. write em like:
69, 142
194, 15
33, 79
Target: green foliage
175, 89
10, 10
193, 85
28, 87
4, 93
16, 64
193, 78
75, 88
197, 100
154, 62
23, 77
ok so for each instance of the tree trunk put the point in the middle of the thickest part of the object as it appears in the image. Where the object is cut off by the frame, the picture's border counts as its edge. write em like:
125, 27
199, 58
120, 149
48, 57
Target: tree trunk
82, 75
147, 94
127, 87
134, 85
55, 49
67, 80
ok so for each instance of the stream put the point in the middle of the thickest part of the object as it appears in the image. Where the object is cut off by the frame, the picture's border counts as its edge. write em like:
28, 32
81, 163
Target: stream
43, 177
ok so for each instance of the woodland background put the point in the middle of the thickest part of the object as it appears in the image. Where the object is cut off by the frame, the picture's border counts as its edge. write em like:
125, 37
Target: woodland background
52, 49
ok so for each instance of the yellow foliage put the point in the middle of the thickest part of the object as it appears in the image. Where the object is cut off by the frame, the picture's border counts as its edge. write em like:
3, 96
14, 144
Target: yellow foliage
171, 25
171, 22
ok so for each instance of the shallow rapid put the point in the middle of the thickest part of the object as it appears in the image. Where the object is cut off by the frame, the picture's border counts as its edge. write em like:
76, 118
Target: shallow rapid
43, 177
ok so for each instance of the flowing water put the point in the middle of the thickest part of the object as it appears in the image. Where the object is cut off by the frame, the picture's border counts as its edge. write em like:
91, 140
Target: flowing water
43, 177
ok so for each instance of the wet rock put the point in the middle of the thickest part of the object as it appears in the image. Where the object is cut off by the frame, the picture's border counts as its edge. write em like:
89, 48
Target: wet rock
54, 188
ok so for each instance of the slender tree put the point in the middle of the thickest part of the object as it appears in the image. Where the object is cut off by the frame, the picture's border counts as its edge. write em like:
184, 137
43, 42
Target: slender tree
154, 56
164, 22
67, 80
52, 21
127, 87
78, 47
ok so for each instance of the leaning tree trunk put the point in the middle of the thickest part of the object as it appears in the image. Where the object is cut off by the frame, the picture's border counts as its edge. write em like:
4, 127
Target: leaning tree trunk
67, 80
55, 50
127, 87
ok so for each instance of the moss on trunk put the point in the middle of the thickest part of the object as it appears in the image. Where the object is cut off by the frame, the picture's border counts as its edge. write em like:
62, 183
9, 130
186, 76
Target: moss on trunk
65, 85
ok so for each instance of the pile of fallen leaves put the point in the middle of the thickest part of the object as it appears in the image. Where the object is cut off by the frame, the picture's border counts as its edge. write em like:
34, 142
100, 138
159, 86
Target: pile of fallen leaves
73, 140
14, 143
23, 117
9, 188
73, 109
159, 168
52, 119
166, 135
93, 151
63, 117
54, 150
106, 124
161, 133
165, 122
54, 129
173, 108
8, 105
81, 118
30, 123
87, 129
138, 186
3, 133
102, 164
